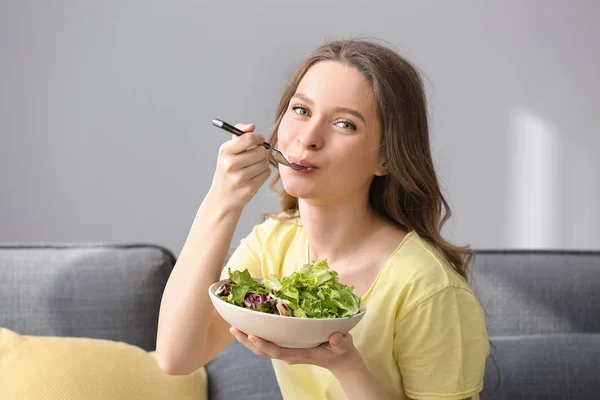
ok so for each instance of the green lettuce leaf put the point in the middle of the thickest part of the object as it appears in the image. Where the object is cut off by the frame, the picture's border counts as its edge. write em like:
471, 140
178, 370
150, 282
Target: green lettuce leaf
242, 278
238, 294
272, 282
314, 291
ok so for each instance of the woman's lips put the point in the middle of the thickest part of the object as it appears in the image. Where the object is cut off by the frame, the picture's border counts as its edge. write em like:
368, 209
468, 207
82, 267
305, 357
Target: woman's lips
303, 162
306, 171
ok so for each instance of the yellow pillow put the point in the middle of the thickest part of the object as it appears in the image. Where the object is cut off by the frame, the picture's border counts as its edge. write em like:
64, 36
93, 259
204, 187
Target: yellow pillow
48, 368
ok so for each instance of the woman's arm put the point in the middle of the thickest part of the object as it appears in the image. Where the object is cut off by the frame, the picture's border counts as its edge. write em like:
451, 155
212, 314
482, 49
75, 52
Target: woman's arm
446, 333
186, 311
357, 381
339, 356
190, 332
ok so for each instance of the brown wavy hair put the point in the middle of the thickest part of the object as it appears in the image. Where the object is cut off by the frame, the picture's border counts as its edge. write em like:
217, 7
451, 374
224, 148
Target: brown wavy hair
410, 194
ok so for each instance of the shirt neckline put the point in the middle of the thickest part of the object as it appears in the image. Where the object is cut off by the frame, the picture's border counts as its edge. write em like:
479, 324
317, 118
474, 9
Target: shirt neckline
306, 259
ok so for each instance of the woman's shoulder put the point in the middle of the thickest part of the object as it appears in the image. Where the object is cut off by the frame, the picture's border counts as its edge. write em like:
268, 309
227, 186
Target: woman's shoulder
418, 273
266, 245
276, 227
418, 262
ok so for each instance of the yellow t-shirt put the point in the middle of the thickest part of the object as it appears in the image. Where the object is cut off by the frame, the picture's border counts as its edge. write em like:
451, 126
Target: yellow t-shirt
423, 335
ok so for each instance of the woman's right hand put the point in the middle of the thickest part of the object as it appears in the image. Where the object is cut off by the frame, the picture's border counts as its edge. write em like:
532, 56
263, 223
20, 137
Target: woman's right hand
240, 172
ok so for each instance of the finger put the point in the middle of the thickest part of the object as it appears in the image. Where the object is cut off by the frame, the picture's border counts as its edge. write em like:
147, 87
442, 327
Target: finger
246, 141
248, 157
262, 177
243, 339
340, 343
245, 127
274, 351
269, 348
254, 170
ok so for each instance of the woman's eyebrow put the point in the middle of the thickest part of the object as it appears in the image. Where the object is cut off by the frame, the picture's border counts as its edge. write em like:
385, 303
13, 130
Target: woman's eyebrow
346, 110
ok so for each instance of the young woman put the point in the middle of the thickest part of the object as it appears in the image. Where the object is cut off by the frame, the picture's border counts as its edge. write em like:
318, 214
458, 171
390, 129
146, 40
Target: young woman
354, 113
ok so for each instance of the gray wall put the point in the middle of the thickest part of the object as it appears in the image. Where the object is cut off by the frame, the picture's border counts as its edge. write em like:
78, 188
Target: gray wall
106, 109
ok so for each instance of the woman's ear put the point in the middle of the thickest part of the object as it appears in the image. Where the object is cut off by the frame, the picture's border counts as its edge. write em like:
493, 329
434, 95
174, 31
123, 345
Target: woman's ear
381, 169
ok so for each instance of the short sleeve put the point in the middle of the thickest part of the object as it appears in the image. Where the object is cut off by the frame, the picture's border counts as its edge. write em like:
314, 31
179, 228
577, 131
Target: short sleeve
247, 255
441, 346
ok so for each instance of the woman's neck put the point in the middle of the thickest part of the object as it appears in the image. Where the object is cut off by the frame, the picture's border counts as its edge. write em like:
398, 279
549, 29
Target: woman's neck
335, 231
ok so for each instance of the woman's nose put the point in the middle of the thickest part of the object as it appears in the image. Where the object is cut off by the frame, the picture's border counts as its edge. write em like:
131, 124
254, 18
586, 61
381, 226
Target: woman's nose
310, 136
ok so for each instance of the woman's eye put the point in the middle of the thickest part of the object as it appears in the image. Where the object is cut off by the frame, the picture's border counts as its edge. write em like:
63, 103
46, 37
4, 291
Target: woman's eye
300, 110
346, 125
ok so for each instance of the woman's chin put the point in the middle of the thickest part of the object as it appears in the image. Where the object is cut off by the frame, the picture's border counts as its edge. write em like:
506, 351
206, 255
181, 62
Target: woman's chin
299, 191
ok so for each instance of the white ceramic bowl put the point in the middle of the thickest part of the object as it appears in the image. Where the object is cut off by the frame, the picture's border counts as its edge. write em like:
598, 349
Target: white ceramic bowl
283, 331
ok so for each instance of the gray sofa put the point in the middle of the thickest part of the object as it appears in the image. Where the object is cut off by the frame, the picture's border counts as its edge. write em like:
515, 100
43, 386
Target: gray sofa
543, 314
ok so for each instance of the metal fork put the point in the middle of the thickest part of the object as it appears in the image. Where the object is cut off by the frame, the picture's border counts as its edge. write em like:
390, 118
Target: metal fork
274, 153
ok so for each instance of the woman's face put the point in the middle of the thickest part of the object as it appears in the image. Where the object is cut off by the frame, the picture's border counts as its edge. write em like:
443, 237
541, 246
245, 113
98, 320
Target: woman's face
331, 125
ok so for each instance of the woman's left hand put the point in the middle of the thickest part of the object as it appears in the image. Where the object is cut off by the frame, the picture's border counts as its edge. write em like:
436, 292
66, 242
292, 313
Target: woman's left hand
332, 355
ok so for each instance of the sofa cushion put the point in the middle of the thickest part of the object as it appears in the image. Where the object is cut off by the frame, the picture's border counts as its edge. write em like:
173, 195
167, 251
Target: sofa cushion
559, 366
106, 292
538, 292
37, 368
238, 373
